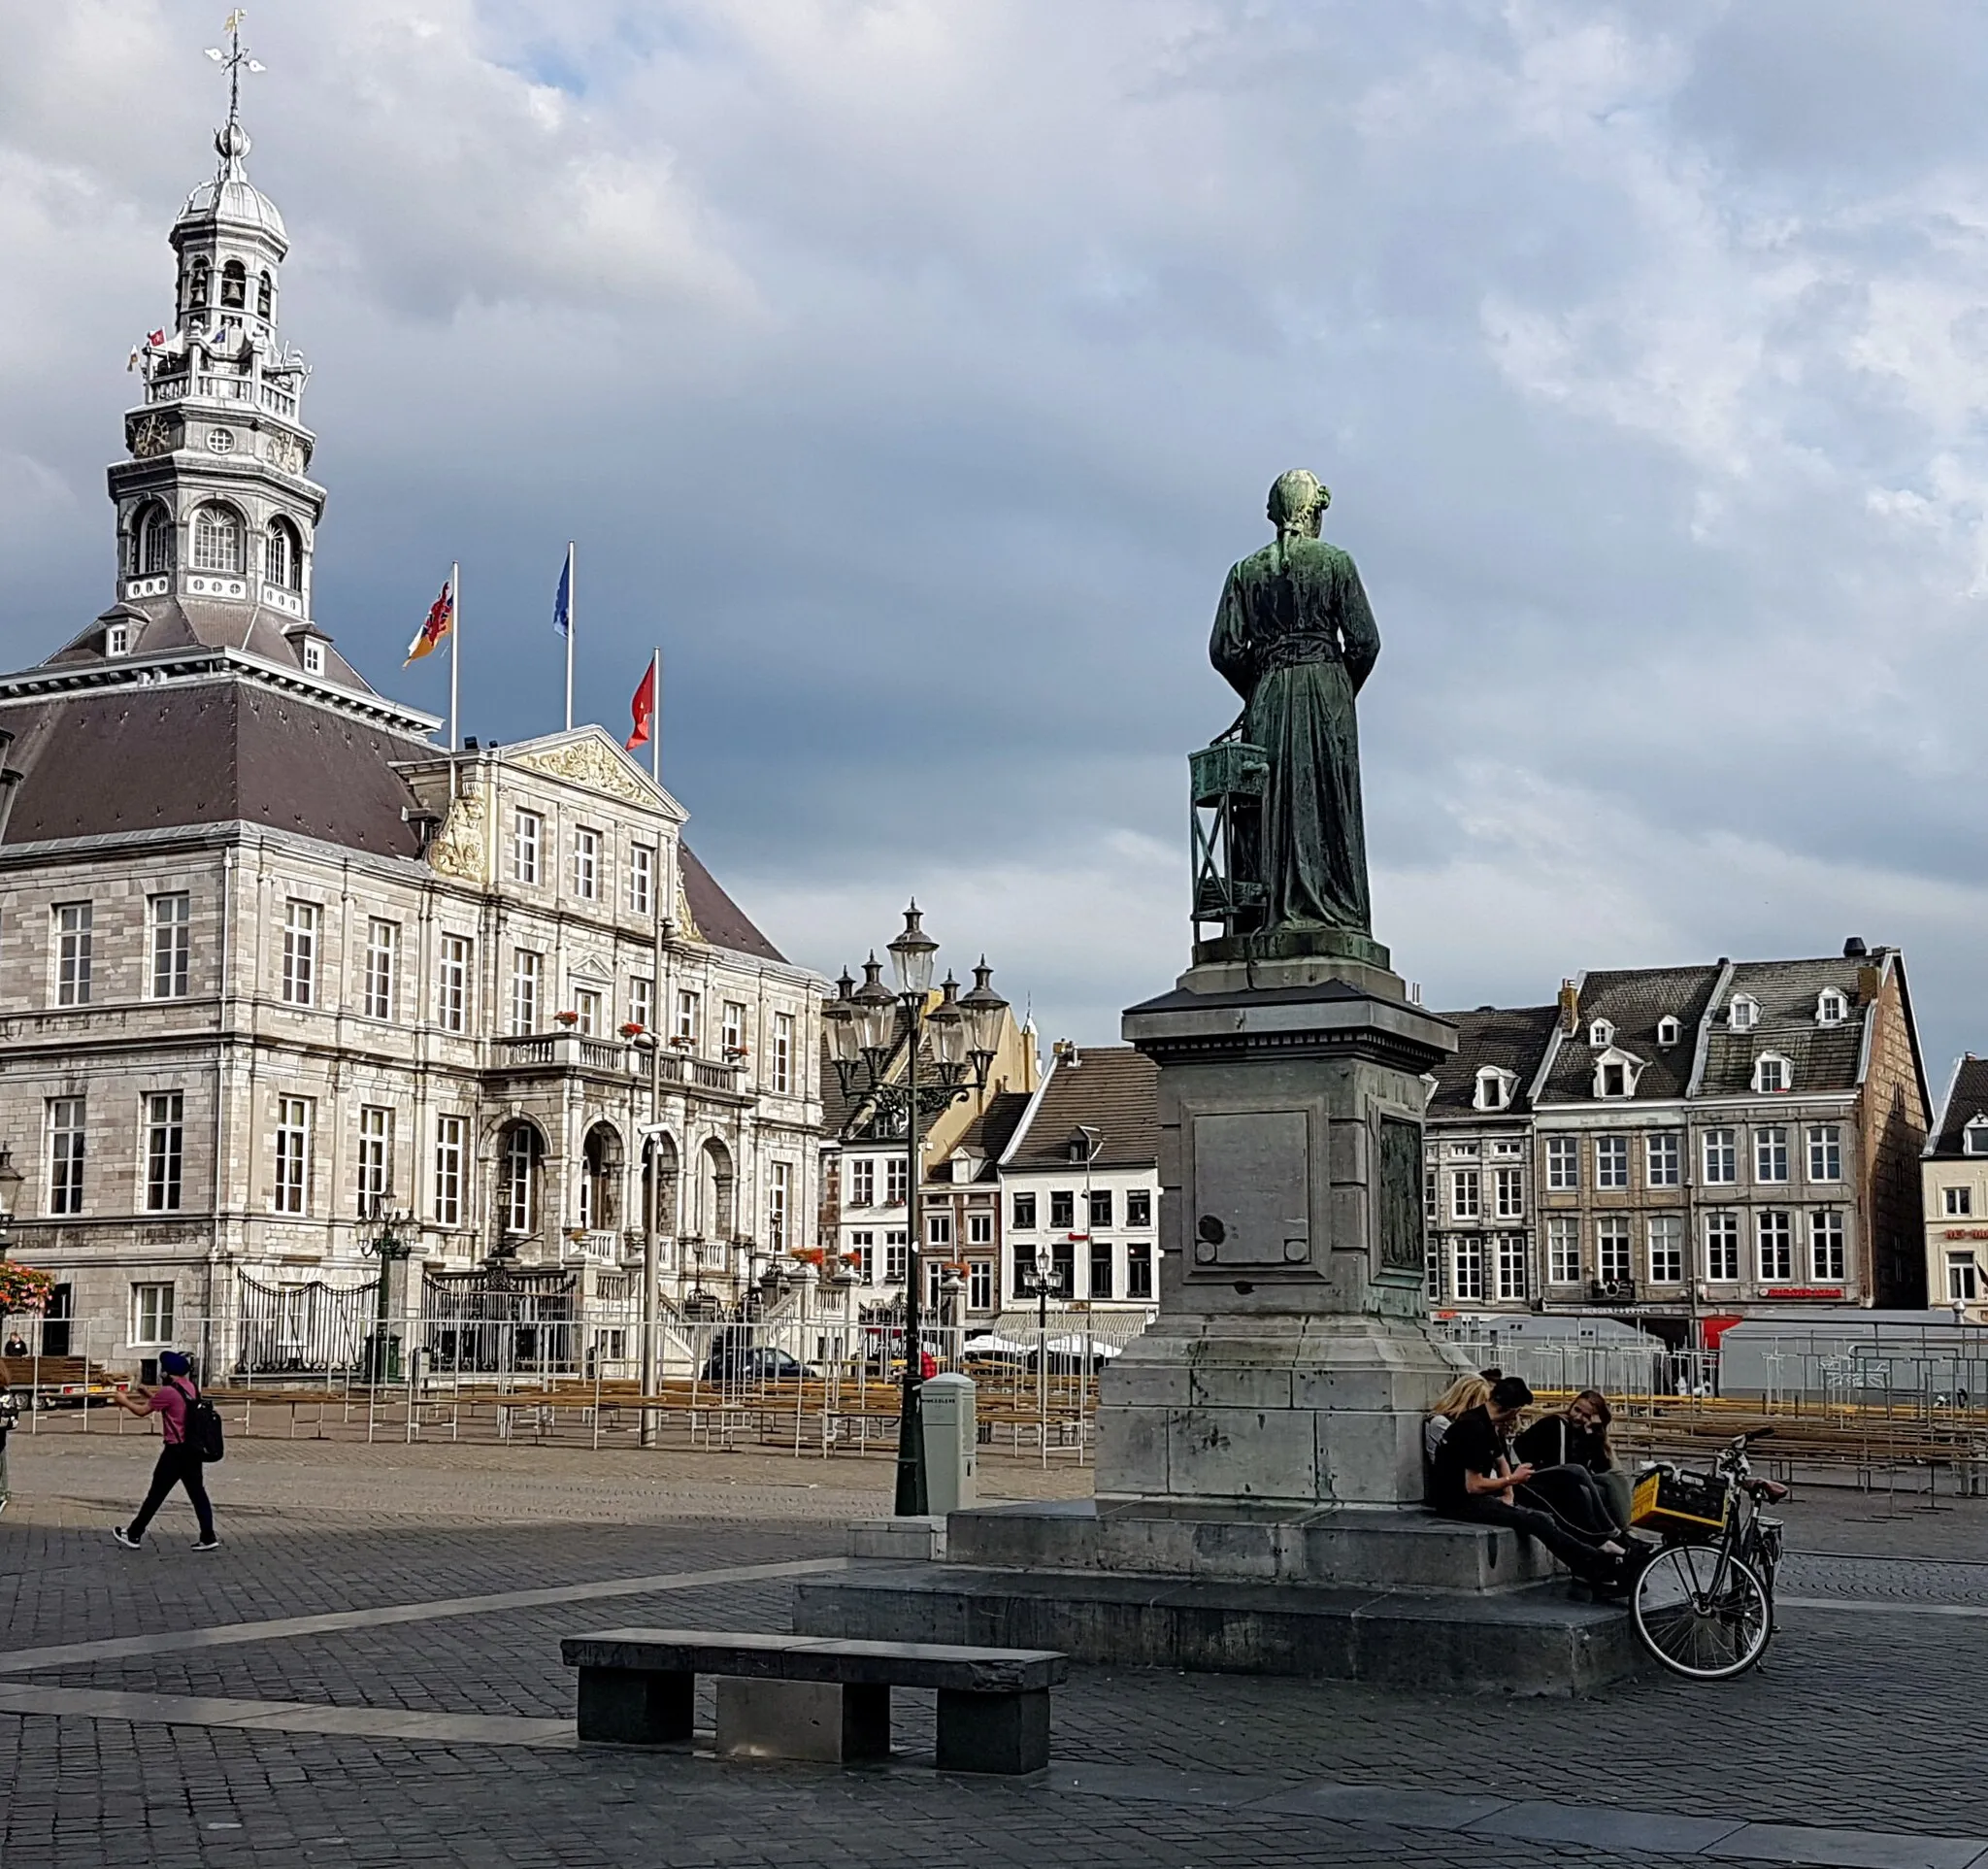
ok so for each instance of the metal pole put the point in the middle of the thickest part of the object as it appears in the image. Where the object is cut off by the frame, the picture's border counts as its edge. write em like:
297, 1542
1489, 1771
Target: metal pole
911, 1499
454, 639
654, 1189
569, 635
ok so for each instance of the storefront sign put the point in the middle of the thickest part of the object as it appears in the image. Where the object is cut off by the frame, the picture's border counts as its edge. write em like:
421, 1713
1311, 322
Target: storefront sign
1804, 1291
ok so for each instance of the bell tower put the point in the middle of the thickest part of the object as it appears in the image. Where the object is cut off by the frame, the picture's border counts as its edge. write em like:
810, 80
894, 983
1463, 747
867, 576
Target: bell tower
216, 510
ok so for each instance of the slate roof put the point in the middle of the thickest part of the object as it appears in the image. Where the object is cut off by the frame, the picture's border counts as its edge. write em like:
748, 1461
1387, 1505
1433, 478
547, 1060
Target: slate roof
160, 623
1634, 1000
719, 920
1966, 1099
1825, 1057
993, 1128
133, 757
1513, 1038
1112, 1088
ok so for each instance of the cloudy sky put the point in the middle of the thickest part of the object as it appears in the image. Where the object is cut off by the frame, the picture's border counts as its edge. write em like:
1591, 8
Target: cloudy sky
913, 370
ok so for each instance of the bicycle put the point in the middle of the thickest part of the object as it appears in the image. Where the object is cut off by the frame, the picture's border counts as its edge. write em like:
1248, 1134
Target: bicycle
1704, 1604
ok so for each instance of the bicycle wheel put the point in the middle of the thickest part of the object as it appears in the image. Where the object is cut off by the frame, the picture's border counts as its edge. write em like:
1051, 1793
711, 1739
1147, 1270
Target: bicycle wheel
1702, 1614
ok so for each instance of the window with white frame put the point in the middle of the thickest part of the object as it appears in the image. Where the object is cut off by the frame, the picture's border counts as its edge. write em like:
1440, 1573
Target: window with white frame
1430, 1210
1432, 1268
217, 540
641, 1001
517, 1195
896, 1178
452, 983
1719, 1158
980, 1229
1662, 1158
1466, 1268
1670, 1031
1773, 1231
1512, 1268
1665, 1240
863, 1189
449, 1145
376, 1161
1831, 1007
117, 640
981, 1284
383, 957
300, 953
689, 1017
165, 1150
1494, 1087
1563, 1249
527, 839
152, 1314
313, 658
1772, 1073
1743, 1014
1828, 1261
1601, 1035
67, 1124
1963, 1278
1611, 1161
896, 1258
526, 968
586, 863
172, 944
1509, 1194
74, 940
588, 1003
292, 1155
779, 1192
1563, 1164
1825, 1152
1771, 1154
732, 1028
1614, 1077
1465, 1194
1974, 1138
938, 1227
1613, 1250
1722, 1249
782, 1055
861, 1252
641, 878
1956, 1203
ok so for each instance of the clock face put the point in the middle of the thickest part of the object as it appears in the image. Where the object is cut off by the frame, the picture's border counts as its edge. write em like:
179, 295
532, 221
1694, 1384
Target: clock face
152, 436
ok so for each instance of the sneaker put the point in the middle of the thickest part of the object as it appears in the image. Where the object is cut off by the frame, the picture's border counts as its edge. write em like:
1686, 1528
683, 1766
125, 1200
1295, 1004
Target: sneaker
206, 1543
125, 1539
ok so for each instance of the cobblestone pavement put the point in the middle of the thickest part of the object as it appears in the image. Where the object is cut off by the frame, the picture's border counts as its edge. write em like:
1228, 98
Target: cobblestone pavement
1852, 1725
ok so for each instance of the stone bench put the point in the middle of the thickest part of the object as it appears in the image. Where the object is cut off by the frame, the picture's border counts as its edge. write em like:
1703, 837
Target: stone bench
815, 1697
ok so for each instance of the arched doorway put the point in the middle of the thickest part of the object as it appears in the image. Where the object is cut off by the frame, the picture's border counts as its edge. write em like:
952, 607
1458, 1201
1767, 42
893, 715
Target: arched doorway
714, 1182
659, 1176
600, 1179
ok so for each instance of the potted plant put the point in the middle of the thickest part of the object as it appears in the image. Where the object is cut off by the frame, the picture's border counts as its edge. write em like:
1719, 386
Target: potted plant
567, 1018
23, 1288
631, 1028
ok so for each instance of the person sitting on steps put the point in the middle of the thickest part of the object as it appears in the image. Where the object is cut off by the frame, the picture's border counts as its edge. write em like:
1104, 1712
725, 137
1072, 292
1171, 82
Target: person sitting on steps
1576, 1437
1474, 1478
1459, 1398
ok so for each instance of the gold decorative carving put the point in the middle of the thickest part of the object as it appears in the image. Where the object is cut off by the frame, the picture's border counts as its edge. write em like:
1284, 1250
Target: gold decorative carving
592, 764
459, 850
686, 923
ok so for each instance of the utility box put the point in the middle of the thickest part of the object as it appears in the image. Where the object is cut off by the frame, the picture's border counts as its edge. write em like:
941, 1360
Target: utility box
949, 1408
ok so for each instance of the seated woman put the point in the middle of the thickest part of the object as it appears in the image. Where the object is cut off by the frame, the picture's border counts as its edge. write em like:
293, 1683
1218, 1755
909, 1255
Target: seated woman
1465, 1393
1578, 1436
1473, 1477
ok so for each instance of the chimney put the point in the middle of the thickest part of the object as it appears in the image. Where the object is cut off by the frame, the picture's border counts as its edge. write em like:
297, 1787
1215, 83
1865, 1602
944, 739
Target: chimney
1868, 978
1570, 1007
1065, 1052
1854, 949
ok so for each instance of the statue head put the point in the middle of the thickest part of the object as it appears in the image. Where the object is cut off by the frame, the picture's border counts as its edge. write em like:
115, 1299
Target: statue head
1297, 502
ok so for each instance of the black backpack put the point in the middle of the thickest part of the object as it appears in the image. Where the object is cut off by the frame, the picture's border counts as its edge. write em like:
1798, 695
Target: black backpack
204, 1430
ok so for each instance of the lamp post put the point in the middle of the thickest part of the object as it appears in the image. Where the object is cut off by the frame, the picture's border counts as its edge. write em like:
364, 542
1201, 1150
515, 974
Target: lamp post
391, 1250
947, 1050
1037, 1284
10, 1179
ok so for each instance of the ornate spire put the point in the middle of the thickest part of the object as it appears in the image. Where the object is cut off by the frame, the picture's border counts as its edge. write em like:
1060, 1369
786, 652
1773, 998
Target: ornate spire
231, 141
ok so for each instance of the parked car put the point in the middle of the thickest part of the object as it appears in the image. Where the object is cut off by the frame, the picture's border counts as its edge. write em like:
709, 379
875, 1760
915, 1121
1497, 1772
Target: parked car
734, 1362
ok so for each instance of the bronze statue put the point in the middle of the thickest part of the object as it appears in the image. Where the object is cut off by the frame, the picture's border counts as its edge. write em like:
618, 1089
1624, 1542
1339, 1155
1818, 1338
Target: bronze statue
1295, 639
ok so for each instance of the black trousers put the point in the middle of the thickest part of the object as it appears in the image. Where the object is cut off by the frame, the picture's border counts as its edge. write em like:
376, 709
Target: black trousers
179, 1466
1573, 1495
1577, 1552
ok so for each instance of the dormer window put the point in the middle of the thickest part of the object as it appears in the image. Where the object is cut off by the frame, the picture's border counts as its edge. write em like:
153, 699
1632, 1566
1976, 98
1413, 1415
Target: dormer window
1669, 1030
1832, 1007
313, 658
117, 640
1616, 1073
1974, 1138
1773, 1072
1743, 1015
1495, 1088
1600, 1034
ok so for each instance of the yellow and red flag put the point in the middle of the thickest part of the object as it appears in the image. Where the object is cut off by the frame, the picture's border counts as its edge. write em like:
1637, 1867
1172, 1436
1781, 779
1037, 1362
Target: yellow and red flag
440, 621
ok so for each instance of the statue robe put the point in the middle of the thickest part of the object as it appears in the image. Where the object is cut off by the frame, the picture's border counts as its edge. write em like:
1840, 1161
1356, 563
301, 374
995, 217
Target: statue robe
1295, 639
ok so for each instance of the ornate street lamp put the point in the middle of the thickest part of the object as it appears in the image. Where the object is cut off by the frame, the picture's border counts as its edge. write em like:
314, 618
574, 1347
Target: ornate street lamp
947, 1051
390, 1248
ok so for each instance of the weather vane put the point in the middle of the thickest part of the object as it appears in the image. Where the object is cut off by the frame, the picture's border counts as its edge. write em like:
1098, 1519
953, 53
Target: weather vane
234, 59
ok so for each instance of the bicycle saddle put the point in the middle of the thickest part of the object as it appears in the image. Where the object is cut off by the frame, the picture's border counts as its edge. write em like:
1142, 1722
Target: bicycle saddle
1771, 1491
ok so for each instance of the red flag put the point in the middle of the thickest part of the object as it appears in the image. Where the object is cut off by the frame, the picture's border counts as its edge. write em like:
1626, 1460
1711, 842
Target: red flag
643, 709
154, 338
441, 617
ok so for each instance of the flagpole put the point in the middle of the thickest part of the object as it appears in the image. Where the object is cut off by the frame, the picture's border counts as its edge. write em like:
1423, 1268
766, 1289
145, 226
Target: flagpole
454, 661
655, 718
569, 635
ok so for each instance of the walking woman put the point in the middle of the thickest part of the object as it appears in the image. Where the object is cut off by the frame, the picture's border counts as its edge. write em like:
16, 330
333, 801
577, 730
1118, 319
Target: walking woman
178, 1463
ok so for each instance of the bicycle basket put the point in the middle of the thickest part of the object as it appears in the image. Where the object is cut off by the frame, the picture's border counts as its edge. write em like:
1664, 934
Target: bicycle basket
1669, 1501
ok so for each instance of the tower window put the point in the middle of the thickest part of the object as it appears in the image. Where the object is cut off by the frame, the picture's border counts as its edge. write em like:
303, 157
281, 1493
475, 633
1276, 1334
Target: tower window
196, 286
234, 286
216, 540
283, 556
155, 548
265, 295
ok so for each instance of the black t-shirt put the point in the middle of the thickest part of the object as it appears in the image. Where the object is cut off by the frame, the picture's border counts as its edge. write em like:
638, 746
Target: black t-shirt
1473, 1444
1554, 1441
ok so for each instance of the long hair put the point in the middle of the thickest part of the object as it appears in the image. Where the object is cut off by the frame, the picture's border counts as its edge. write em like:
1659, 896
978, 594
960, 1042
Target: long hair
1461, 1396
1600, 1404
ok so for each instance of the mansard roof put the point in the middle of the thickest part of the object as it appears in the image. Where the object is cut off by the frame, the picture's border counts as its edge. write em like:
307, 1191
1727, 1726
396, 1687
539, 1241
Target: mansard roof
165, 624
1824, 1058
719, 920
1967, 1099
1634, 1000
1110, 1087
1508, 1038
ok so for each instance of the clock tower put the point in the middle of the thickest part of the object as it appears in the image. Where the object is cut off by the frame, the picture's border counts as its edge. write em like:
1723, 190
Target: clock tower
217, 511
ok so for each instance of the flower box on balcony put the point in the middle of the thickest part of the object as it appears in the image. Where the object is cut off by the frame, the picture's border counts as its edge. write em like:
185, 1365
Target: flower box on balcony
567, 1018
633, 1029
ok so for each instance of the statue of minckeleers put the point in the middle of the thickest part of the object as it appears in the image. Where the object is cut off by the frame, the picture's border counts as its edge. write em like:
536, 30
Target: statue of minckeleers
1295, 639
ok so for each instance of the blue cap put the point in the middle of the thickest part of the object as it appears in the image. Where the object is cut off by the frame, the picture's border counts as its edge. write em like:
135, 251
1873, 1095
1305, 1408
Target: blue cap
175, 1362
